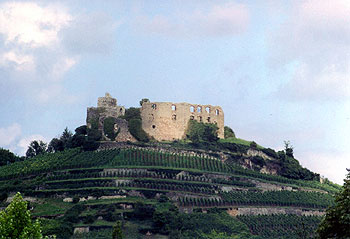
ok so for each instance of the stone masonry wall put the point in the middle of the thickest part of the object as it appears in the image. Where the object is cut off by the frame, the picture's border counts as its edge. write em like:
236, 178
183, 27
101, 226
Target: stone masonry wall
168, 121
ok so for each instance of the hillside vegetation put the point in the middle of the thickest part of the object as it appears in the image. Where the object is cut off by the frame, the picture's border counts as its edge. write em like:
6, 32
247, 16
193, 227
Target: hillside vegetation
170, 190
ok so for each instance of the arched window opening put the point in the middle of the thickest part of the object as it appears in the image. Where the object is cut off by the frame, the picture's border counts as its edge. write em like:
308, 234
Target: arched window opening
153, 126
173, 107
154, 106
199, 109
174, 117
207, 109
191, 117
208, 119
217, 112
191, 109
200, 119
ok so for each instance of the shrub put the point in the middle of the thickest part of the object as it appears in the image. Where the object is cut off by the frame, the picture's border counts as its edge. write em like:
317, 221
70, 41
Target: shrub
108, 127
202, 132
135, 128
228, 132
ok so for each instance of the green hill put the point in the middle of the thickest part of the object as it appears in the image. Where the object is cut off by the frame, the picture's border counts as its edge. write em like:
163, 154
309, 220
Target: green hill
170, 190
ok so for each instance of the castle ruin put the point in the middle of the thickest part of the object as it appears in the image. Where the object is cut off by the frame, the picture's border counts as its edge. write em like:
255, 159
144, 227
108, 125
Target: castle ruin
160, 120
107, 108
168, 121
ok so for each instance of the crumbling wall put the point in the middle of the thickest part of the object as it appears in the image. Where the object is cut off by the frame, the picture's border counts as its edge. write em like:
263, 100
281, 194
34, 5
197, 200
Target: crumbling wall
107, 107
168, 121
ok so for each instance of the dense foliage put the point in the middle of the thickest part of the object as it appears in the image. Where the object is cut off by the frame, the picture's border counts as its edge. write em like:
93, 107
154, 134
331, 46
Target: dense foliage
16, 222
228, 132
336, 223
133, 116
108, 128
201, 132
7, 157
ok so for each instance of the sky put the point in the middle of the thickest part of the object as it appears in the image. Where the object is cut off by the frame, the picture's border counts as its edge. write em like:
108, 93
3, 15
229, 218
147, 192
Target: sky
279, 69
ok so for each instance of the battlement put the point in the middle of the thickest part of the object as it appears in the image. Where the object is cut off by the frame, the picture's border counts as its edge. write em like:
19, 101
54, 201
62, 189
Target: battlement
107, 101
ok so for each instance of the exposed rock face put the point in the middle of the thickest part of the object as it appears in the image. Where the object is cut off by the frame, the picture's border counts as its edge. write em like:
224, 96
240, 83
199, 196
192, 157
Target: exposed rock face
168, 121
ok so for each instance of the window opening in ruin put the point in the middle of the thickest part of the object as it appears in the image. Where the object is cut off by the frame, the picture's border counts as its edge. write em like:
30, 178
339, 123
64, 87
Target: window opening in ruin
191, 117
121, 110
217, 112
192, 109
153, 126
154, 106
174, 117
208, 119
173, 107
200, 119
207, 109
199, 109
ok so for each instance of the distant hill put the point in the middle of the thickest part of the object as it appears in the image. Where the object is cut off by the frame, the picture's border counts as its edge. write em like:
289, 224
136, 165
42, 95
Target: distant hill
171, 190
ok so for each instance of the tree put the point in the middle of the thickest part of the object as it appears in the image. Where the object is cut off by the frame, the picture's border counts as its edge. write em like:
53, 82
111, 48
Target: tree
6, 157
336, 223
55, 145
117, 231
288, 149
202, 132
16, 222
35, 148
66, 138
228, 133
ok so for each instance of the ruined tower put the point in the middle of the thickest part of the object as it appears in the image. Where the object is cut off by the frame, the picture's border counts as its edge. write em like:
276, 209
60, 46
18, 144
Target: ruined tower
108, 112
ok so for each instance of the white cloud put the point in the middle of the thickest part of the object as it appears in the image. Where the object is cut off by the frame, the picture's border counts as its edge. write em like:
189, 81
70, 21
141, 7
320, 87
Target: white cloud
20, 62
9, 134
220, 20
316, 40
24, 142
27, 23
40, 43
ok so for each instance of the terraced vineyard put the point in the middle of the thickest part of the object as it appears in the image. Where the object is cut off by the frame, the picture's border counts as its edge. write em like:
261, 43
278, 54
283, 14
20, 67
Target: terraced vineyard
92, 190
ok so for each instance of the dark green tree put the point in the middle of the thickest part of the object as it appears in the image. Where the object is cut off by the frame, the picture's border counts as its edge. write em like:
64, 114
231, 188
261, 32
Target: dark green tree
201, 132
66, 138
35, 148
336, 223
228, 133
6, 157
117, 231
288, 148
55, 145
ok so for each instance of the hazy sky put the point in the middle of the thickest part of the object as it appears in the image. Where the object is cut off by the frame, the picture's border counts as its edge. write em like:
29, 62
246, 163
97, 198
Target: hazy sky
279, 69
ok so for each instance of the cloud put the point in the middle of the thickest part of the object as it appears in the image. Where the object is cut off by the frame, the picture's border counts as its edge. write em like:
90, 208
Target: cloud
23, 144
41, 43
219, 21
9, 134
315, 43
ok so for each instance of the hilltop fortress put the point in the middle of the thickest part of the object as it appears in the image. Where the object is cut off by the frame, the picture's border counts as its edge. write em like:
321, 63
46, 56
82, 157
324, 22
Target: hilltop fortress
160, 120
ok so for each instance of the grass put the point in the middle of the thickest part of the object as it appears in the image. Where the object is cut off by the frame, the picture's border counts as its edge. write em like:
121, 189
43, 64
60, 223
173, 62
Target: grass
50, 207
238, 141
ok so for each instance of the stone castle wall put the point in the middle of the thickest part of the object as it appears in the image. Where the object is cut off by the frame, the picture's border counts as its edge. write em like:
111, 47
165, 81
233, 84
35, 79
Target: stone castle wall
107, 107
168, 121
